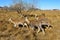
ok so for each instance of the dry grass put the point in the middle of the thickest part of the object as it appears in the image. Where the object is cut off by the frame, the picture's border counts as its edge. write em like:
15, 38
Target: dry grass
8, 32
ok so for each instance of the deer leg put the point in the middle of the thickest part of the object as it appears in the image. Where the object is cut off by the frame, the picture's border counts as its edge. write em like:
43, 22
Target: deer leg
38, 30
42, 29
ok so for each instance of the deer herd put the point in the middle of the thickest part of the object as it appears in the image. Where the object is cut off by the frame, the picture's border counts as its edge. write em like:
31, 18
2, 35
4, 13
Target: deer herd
40, 23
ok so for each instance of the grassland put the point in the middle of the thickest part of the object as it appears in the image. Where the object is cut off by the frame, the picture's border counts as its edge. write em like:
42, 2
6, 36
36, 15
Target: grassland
8, 32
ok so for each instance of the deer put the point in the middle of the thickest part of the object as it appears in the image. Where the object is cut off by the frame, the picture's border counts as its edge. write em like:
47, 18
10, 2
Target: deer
21, 23
40, 23
33, 24
44, 23
16, 23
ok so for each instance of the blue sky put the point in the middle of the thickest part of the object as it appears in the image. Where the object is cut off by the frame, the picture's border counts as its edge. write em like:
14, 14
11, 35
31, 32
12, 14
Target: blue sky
43, 4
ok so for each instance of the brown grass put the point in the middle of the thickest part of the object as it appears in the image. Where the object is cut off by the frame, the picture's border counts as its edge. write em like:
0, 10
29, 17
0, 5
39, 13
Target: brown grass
8, 32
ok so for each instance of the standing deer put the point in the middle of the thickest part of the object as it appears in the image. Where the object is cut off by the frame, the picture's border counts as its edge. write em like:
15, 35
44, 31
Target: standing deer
44, 23
21, 23
40, 23
16, 23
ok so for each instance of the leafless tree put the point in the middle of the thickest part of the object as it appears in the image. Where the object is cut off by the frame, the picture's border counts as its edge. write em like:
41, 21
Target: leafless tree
18, 5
